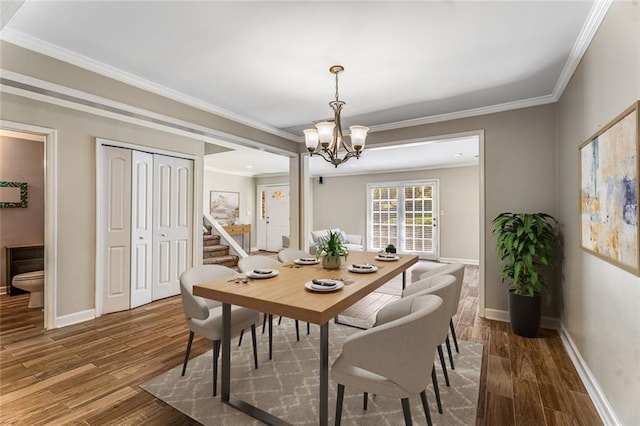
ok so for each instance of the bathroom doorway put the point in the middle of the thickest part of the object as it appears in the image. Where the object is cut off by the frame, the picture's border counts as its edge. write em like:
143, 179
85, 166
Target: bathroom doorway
27, 155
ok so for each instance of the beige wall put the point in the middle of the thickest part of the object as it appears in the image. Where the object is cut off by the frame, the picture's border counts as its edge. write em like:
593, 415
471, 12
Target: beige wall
520, 175
600, 302
341, 202
21, 160
76, 185
246, 188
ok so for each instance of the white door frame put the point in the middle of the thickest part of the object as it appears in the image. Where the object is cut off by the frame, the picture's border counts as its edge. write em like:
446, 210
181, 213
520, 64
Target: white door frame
50, 215
196, 214
435, 182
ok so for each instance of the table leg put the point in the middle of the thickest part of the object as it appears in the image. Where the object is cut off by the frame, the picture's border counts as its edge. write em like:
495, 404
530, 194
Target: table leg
226, 352
404, 279
324, 374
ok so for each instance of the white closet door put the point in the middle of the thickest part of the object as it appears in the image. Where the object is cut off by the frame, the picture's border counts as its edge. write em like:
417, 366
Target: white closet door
172, 213
116, 252
141, 227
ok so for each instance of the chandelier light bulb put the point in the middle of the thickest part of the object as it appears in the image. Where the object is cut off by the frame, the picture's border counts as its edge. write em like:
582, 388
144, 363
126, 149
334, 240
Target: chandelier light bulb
311, 139
358, 136
325, 132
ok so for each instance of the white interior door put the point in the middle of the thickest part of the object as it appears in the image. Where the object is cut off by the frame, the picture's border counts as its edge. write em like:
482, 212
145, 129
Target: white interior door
116, 252
173, 203
141, 227
277, 223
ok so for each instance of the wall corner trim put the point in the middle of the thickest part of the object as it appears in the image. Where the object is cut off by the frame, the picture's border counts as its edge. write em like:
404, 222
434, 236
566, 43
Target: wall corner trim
75, 318
605, 410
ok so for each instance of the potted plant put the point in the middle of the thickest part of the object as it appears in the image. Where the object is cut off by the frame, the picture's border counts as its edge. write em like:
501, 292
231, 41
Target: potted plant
333, 249
527, 242
390, 248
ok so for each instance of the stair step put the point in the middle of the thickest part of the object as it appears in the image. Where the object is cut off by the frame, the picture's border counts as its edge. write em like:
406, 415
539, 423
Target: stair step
229, 260
210, 240
215, 251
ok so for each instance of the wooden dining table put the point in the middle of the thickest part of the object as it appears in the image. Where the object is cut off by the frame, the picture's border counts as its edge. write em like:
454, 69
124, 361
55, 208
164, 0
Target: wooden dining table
285, 294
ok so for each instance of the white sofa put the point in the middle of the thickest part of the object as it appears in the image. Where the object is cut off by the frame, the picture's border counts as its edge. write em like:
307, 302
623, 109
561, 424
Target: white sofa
352, 242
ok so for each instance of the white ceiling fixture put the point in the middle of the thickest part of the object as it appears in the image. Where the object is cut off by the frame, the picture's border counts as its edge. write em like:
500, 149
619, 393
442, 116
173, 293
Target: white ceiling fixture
332, 144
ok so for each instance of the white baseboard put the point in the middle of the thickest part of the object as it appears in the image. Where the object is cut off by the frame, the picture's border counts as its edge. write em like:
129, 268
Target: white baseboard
500, 315
456, 260
607, 415
75, 318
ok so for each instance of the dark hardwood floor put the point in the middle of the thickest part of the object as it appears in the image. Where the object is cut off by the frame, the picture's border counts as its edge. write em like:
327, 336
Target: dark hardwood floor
89, 373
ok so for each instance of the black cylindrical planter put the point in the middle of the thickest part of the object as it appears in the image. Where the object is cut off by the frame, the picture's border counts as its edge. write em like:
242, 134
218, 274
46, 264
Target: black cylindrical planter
525, 313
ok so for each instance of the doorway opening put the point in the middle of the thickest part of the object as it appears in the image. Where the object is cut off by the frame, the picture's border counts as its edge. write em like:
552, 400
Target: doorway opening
29, 233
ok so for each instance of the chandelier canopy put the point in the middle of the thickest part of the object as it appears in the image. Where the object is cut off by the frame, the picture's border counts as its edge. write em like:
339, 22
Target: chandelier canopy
327, 140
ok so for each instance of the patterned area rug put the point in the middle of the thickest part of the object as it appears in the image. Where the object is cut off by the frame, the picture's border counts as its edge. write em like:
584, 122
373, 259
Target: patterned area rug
287, 386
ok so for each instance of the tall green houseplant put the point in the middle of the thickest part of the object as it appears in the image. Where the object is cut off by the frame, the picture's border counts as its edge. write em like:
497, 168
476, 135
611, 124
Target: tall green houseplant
526, 243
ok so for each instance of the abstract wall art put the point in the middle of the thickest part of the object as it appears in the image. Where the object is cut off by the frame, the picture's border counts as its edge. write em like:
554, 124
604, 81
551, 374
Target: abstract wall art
609, 192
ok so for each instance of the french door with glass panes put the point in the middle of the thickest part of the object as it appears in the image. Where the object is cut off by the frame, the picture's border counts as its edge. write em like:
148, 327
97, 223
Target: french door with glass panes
404, 214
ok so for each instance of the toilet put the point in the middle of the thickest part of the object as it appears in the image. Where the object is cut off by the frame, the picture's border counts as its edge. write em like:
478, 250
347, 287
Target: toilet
33, 282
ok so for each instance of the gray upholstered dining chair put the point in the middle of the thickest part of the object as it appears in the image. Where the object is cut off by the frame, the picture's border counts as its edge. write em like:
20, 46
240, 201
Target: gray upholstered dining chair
248, 264
389, 358
457, 270
443, 286
204, 316
291, 254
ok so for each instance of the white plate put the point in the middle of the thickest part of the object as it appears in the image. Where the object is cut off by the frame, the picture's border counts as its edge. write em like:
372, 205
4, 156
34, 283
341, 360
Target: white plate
352, 268
313, 287
388, 259
306, 261
273, 273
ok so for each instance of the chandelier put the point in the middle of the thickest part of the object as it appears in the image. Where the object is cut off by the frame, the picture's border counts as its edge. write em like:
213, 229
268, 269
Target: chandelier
329, 133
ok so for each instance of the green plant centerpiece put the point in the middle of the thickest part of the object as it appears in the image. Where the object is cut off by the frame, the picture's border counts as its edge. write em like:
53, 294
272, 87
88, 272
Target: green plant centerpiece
527, 243
333, 249
390, 249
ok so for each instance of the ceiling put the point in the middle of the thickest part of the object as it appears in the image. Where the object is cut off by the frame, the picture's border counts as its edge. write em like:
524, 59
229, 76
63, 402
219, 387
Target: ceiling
266, 63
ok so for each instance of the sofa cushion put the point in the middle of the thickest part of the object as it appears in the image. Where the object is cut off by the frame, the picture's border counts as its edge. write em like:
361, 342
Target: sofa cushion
324, 233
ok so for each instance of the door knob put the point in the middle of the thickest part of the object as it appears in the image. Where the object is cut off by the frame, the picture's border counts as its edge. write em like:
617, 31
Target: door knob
163, 235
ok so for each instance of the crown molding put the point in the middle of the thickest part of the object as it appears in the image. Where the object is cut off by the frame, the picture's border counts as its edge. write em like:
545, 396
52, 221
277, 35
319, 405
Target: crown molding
588, 31
492, 109
48, 49
44, 91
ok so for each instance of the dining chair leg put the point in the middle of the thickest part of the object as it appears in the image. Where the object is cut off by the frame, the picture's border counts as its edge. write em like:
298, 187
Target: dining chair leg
240, 339
308, 328
255, 346
339, 399
443, 365
425, 405
270, 336
453, 367
216, 355
406, 410
297, 332
365, 400
453, 334
436, 389
280, 320
186, 356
